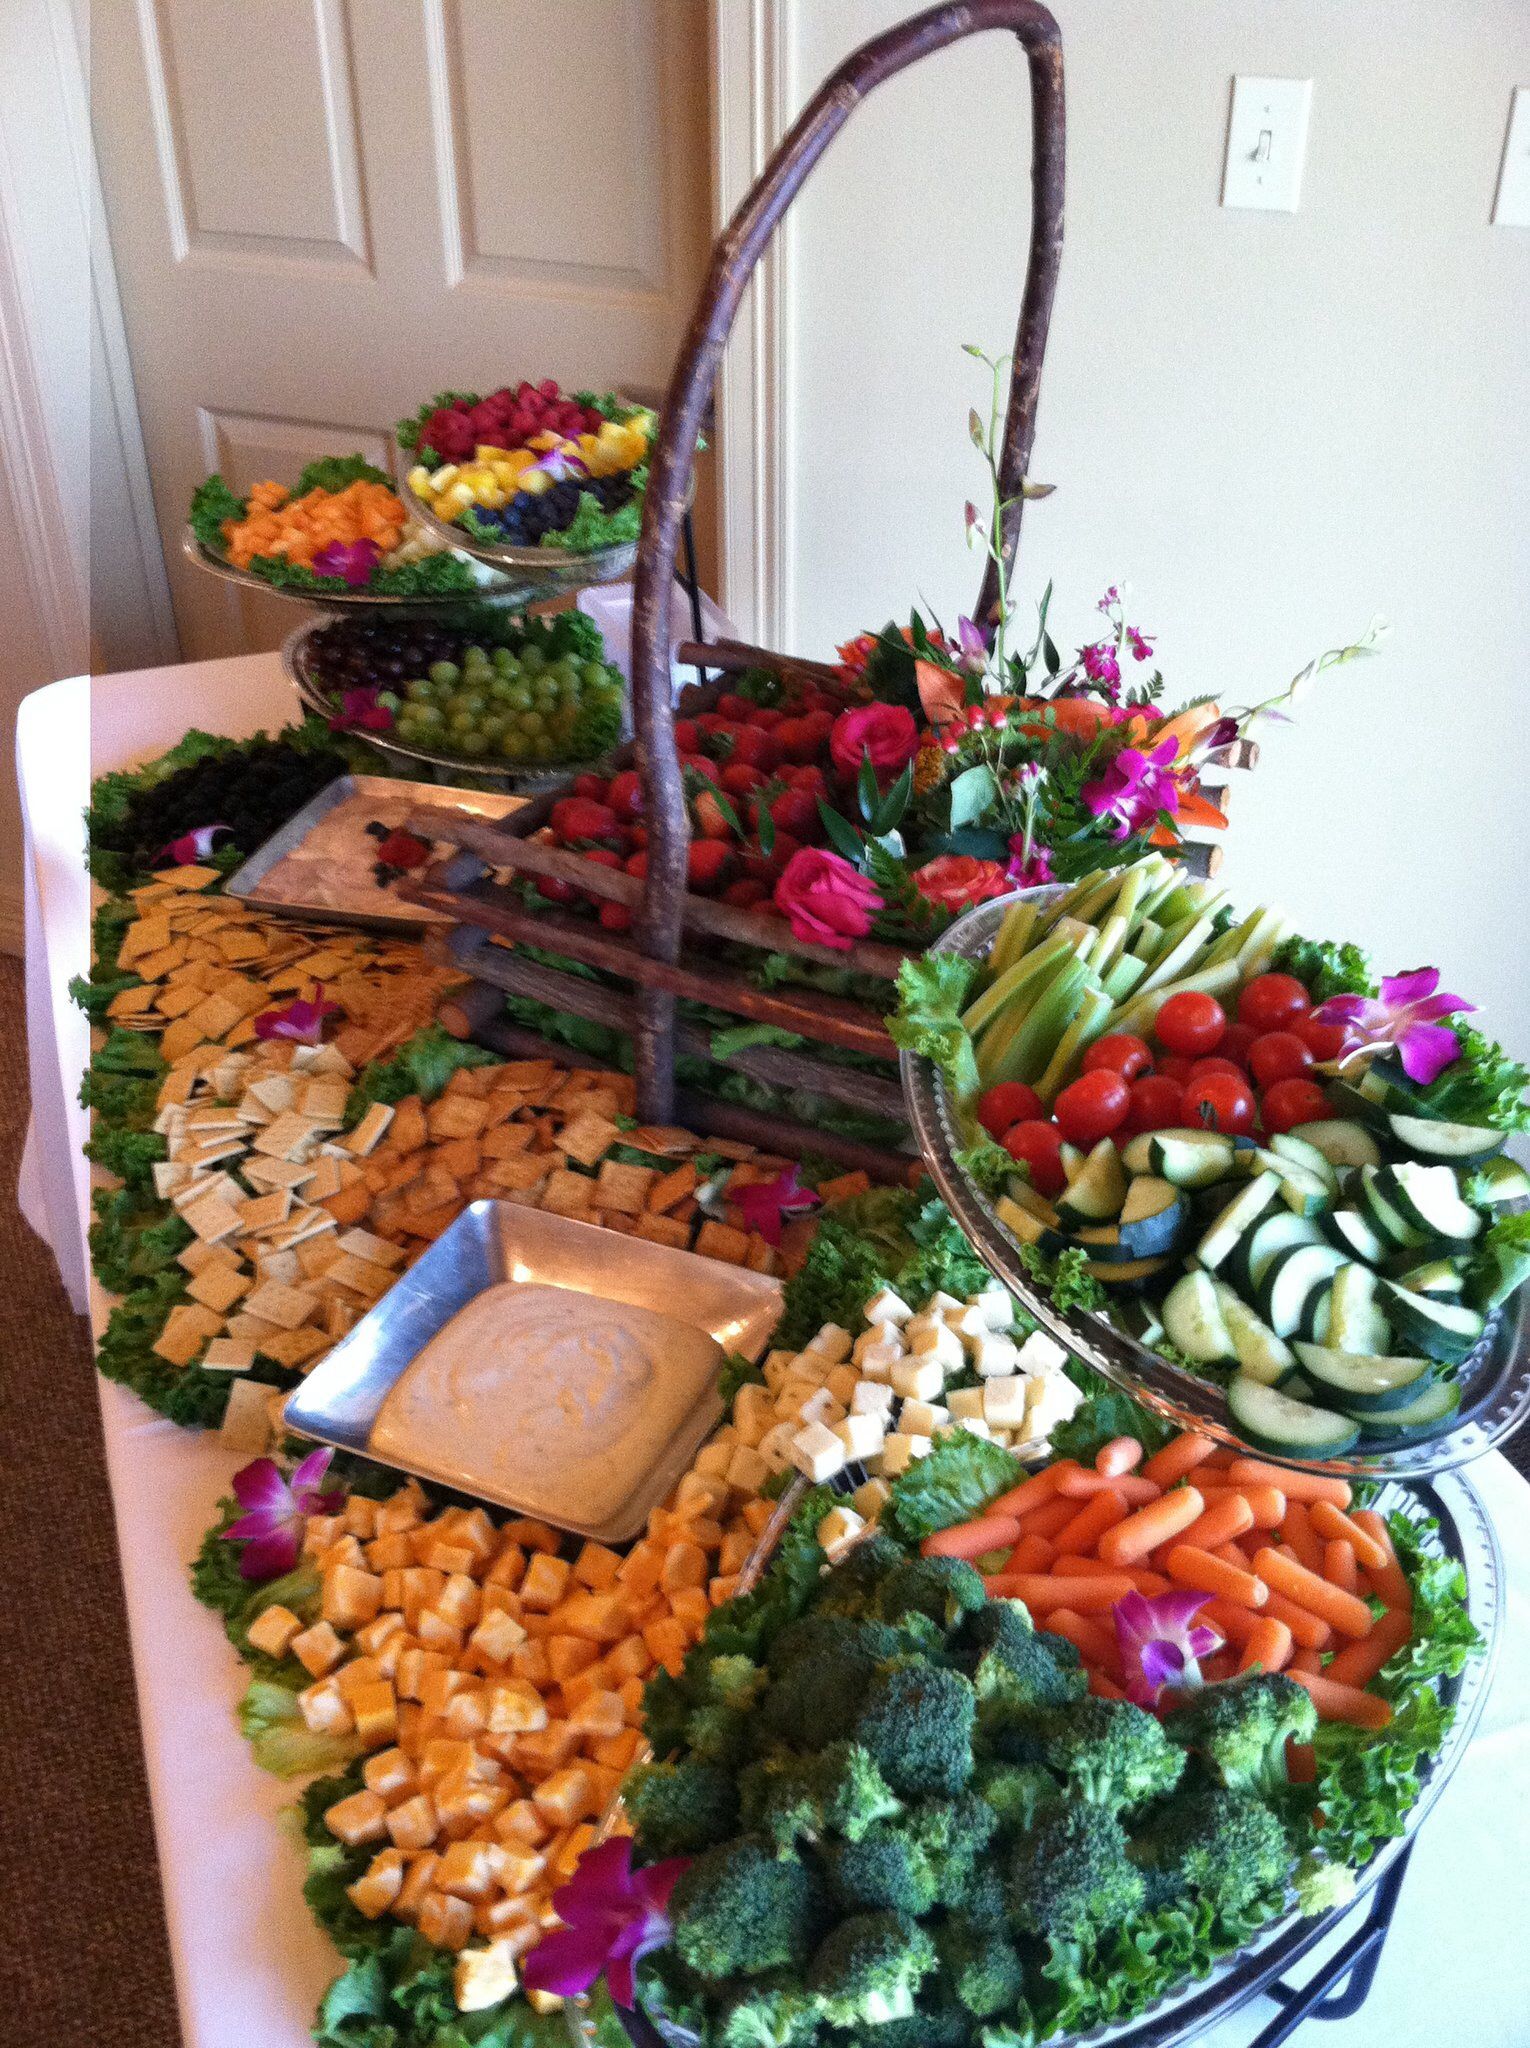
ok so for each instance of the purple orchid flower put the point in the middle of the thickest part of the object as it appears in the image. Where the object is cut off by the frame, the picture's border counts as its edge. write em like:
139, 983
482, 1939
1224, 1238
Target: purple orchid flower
1158, 1645
1220, 733
1139, 644
351, 560
275, 1509
1110, 600
360, 712
764, 1205
613, 1915
192, 846
1404, 1015
973, 644
1028, 870
1099, 663
302, 1021
1134, 789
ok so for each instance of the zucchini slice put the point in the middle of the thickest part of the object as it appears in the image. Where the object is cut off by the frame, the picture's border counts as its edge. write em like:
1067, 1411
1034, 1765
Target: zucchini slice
1236, 1219
1289, 1146
1275, 1234
1439, 1328
1292, 1278
1428, 1197
1097, 1190
1273, 1421
1384, 1217
1190, 1159
1341, 1142
1458, 1144
1422, 1274
1355, 1322
1364, 1384
1261, 1354
1354, 1235
1424, 1417
1502, 1180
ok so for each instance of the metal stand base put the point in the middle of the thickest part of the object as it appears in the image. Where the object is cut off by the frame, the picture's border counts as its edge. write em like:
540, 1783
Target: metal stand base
1344, 1982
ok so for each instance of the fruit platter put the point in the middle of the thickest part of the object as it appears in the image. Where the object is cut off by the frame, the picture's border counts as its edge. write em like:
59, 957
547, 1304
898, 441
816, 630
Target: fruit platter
482, 689
532, 478
1239, 1175
341, 537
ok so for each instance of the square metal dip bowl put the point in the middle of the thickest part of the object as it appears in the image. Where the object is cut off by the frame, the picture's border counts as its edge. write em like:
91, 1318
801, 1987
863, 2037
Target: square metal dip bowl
711, 1309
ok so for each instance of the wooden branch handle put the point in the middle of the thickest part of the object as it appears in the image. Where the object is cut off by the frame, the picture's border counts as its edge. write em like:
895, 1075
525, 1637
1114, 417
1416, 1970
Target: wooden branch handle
737, 252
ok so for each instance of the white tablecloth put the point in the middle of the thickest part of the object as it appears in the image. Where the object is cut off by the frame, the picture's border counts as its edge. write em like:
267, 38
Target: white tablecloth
249, 1963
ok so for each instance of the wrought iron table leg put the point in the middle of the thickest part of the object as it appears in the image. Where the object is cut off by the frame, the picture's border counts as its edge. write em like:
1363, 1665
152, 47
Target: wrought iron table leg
1344, 1983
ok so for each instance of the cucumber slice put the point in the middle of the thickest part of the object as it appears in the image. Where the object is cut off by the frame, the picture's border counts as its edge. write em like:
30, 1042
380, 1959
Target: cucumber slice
1154, 1217
1317, 1314
1296, 1149
1236, 1219
1421, 1418
1276, 1234
1097, 1190
1261, 1354
1351, 1232
1383, 1216
1459, 1144
1193, 1321
1341, 1142
1190, 1159
1293, 1276
1428, 1197
1353, 1105
1303, 1193
1364, 1383
1273, 1421
1355, 1322
1442, 1329
1430, 1271
1501, 1180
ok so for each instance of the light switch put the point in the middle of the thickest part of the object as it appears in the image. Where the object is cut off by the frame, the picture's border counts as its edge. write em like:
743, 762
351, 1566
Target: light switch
1266, 143
1511, 209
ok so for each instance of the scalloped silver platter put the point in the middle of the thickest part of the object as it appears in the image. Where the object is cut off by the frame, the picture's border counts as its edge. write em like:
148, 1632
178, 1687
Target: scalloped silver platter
450, 767
555, 568
1494, 1380
1184, 2014
498, 589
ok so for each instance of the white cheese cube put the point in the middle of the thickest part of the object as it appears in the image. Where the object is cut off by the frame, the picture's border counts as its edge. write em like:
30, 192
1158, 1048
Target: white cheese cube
936, 1340
861, 1435
842, 1382
747, 1470
868, 1498
886, 1307
832, 1343
878, 1337
998, 1306
753, 1413
775, 1447
817, 1452
793, 1395
838, 1530
1004, 1402
922, 1418
974, 1425
965, 1402
918, 1379
873, 1397
968, 1322
877, 1363
942, 1304
712, 1461
816, 1407
1041, 1353
994, 1356
1052, 1400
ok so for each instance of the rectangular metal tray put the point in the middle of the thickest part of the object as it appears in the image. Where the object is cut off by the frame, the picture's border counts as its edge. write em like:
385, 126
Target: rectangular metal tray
726, 1307
491, 806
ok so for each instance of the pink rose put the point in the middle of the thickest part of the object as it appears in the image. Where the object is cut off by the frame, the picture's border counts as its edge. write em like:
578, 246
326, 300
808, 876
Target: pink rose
888, 733
955, 880
825, 898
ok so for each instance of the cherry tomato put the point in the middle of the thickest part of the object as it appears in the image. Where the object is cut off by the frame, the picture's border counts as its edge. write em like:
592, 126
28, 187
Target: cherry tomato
1235, 1042
1174, 1067
1190, 1023
1119, 1052
1220, 1102
1323, 1041
1038, 1145
1292, 1102
1008, 1103
1215, 1064
1278, 1056
1093, 1106
1157, 1104
1271, 1001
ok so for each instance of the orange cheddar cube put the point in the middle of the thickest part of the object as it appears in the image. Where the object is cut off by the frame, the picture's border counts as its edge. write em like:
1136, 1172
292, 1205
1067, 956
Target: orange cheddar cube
362, 1817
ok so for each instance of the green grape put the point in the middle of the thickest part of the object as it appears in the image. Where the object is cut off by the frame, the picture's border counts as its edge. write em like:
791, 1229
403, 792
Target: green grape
593, 674
430, 717
533, 661
445, 673
492, 728
500, 690
542, 749
531, 722
519, 698
513, 746
473, 744
419, 691
459, 723
503, 659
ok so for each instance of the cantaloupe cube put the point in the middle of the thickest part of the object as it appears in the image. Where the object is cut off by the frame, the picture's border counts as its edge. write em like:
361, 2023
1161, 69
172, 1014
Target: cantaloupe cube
379, 1884
598, 1713
757, 1514
413, 1824
596, 1566
402, 1510
484, 1976
509, 1566
685, 1564
616, 1752
357, 1674
627, 1659
641, 1567
632, 1690
376, 1712
545, 1750
319, 1532
362, 1817
441, 1555
668, 1641
520, 1867
570, 1654
372, 1638
273, 1630
691, 1606
720, 1591
444, 1921
359, 1515
570, 1849
436, 1633
467, 1713
499, 1600
496, 1635
544, 2001
529, 1662
533, 1535
440, 1755
564, 1796
414, 1670
351, 1597
344, 1551
501, 1916
521, 1824
389, 1553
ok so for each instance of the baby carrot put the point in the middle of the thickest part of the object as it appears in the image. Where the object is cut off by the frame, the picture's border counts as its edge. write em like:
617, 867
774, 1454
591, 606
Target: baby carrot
1052, 1515
1296, 1535
1334, 1526
1044, 1595
1301, 1763
1031, 1554
1030, 1493
1340, 1568
1304, 1659
1238, 1554
1267, 1504
1346, 1703
1304, 1486
1131, 1486
1181, 1454
1204, 1573
1237, 1624
1358, 1663
1268, 1645
1346, 1612
1093, 1638
972, 1539
1390, 1581
1170, 1515
1221, 1664
1092, 1520
1225, 1516
1121, 1454
1305, 1627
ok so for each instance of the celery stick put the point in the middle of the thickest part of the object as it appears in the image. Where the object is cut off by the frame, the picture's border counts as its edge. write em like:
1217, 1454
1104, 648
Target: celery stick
1123, 975
1013, 981
1147, 940
1105, 948
1050, 1015
1088, 1024
1139, 1014
1014, 936
1256, 957
1178, 955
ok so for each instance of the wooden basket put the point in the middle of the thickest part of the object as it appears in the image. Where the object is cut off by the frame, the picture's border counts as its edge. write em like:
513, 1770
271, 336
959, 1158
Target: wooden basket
669, 954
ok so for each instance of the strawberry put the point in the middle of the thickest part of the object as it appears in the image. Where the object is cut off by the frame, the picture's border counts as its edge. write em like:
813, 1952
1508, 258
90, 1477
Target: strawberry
687, 736
711, 821
739, 779
625, 793
616, 917
592, 786
637, 864
551, 890
756, 747
577, 817
731, 705
765, 717
706, 862
795, 811
746, 893
797, 739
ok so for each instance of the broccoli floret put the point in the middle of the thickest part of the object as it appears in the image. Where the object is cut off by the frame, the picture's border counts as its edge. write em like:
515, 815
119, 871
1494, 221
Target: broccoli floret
1111, 1753
984, 1900
1224, 1847
886, 1870
719, 1724
952, 1833
678, 1808
855, 1795
740, 1910
981, 1963
916, 1719
770, 2012
1070, 1875
1322, 1886
869, 1968
1241, 1726
1015, 1792
849, 1587
792, 1799
941, 1588
1046, 1670
818, 1635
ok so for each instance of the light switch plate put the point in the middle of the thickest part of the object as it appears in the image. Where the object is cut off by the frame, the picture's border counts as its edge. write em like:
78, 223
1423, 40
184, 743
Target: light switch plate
1266, 143
1511, 209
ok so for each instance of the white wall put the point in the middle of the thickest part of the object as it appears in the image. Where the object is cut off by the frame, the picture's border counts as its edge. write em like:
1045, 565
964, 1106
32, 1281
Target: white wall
1272, 426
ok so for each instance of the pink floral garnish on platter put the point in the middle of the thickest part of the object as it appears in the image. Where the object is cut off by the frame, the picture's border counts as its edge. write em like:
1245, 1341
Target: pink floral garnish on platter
826, 900
613, 1915
351, 560
1158, 1644
1404, 1015
1031, 870
765, 1205
360, 712
192, 847
301, 1021
275, 1511
1134, 789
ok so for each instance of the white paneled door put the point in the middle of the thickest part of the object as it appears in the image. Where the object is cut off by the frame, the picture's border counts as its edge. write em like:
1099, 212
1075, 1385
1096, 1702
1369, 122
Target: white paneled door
322, 211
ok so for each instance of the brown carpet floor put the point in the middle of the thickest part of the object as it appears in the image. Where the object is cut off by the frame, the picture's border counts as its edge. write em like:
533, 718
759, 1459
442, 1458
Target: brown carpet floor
86, 1959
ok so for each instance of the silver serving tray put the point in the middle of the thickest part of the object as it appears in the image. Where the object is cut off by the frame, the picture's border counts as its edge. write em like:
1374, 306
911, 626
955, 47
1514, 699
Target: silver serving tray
245, 882
725, 1308
500, 588
1494, 1380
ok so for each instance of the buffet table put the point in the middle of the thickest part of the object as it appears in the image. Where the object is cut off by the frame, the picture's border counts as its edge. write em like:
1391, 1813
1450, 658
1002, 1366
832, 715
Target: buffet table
250, 1964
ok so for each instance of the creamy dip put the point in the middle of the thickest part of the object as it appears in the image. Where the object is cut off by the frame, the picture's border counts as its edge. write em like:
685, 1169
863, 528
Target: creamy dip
560, 1400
